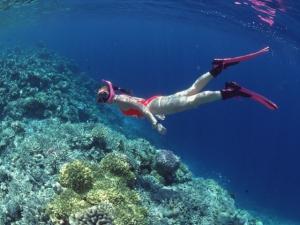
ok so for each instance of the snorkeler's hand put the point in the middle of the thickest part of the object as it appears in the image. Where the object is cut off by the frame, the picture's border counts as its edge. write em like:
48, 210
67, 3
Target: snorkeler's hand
160, 128
160, 116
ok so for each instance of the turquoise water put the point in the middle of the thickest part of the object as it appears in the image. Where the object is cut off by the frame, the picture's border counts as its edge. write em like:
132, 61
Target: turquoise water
161, 47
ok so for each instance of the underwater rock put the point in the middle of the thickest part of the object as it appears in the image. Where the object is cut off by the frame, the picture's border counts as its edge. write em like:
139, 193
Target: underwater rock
166, 162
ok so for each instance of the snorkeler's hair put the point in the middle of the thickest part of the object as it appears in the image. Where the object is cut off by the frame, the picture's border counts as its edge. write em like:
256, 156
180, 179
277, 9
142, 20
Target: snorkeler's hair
102, 88
122, 90
105, 88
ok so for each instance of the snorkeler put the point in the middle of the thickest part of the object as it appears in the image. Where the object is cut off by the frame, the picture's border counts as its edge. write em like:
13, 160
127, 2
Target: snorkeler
156, 107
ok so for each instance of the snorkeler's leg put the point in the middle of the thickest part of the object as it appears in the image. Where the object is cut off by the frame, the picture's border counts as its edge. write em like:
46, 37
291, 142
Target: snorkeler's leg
203, 80
173, 104
218, 66
196, 86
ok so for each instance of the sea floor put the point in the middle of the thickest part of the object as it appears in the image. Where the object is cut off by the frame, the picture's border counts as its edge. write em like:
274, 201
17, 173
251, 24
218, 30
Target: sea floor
60, 154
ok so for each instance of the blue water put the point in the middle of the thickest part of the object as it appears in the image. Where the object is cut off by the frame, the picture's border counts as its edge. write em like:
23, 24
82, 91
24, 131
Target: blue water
161, 47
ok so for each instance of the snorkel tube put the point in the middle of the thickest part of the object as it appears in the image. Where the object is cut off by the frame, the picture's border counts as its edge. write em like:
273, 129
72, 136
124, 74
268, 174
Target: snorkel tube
111, 91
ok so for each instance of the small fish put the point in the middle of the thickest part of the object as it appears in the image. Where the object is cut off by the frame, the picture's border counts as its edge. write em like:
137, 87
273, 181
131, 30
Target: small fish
88, 67
8, 39
247, 191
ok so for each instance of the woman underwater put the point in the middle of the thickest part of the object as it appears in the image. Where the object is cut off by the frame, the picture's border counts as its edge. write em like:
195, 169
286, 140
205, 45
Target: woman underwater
157, 106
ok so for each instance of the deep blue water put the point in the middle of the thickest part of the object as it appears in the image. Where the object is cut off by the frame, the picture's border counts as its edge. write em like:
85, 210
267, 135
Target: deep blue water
161, 47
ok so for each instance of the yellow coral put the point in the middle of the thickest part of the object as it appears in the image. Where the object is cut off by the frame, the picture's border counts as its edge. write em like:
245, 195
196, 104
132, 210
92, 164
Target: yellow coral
108, 185
77, 175
124, 201
66, 203
117, 165
99, 132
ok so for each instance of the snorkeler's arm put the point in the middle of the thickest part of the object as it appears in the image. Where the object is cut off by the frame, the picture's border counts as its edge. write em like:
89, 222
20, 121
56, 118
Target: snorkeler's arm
138, 99
126, 102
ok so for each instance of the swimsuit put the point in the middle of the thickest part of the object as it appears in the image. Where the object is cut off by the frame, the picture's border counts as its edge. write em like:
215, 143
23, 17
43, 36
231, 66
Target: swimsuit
135, 112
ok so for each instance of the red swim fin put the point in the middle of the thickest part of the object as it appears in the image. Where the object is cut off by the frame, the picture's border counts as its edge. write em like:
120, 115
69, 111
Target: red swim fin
221, 64
232, 89
238, 59
257, 97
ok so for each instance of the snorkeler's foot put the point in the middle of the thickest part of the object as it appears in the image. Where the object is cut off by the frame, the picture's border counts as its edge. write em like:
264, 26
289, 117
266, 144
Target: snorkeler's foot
221, 64
232, 89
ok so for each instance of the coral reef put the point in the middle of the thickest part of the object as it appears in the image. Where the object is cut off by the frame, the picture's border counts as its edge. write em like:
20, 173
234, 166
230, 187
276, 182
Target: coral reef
41, 80
116, 165
92, 216
124, 201
110, 186
62, 155
5, 5
198, 201
64, 205
77, 175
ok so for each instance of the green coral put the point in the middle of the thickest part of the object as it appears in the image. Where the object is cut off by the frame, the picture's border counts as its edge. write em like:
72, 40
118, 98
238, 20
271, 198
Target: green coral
118, 166
182, 174
65, 204
143, 151
90, 185
77, 175
112, 192
158, 177
99, 132
131, 216
124, 201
